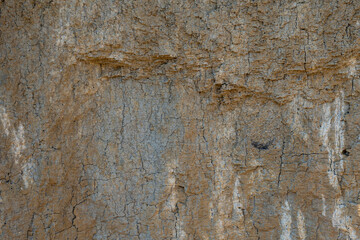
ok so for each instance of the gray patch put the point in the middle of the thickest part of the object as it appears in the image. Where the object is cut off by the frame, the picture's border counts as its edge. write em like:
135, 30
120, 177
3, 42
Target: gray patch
3, 78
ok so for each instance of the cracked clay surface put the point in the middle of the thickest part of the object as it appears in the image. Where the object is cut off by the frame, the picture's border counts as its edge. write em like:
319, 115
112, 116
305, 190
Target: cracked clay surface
206, 119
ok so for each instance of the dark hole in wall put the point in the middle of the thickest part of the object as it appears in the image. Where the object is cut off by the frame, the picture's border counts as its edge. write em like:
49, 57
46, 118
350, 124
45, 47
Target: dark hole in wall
261, 146
345, 152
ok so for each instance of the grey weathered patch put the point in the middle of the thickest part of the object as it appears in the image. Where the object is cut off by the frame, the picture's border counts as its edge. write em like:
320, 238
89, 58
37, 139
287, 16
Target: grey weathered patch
3, 78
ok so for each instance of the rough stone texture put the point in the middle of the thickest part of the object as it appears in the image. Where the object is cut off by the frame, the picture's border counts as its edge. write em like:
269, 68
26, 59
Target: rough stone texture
180, 119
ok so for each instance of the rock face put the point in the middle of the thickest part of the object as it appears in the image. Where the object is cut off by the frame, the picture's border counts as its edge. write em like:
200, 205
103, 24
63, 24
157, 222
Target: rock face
179, 119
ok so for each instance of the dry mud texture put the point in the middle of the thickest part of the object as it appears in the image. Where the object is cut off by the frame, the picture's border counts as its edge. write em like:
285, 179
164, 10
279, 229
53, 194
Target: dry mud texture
180, 119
